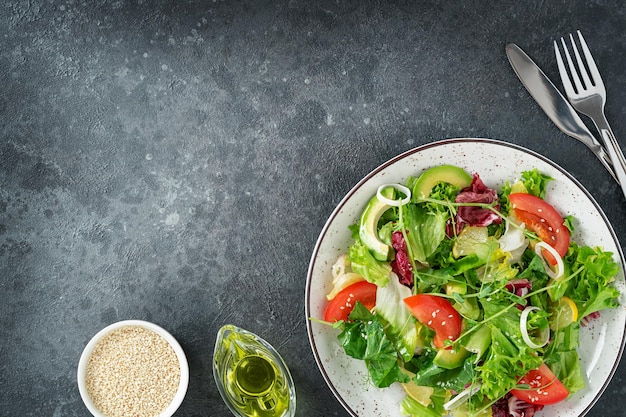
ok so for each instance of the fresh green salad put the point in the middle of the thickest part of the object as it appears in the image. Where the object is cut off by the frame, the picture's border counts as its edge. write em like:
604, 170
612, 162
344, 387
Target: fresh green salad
471, 298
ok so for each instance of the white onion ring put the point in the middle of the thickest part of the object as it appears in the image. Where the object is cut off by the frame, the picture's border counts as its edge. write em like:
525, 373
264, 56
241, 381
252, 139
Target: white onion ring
523, 322
395, 203
560, 268
462, 396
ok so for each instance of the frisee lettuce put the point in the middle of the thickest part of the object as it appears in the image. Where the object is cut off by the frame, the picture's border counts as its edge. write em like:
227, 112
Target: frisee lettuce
363, 263
592, 290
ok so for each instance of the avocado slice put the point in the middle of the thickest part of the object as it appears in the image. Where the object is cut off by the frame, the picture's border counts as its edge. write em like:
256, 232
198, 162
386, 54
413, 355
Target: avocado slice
450, 358
368, 226
456, 286
469, 306
479, 341
443, 173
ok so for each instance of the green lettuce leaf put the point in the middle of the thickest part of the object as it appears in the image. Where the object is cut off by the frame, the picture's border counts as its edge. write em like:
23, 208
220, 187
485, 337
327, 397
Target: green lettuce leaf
591, 289
363, 263
401, 323
425, 230
535, 182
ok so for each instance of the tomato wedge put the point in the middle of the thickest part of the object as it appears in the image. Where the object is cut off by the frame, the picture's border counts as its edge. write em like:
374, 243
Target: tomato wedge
543, 219
341, 306
544, 389
438, 314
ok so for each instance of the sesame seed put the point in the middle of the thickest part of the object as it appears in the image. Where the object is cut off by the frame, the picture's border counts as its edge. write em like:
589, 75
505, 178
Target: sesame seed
132, 371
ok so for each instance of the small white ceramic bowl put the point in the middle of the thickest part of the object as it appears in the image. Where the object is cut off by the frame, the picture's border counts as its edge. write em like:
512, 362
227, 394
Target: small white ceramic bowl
180, 354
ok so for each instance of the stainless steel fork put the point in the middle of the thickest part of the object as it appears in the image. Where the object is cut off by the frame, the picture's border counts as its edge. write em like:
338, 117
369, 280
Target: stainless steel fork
588, 96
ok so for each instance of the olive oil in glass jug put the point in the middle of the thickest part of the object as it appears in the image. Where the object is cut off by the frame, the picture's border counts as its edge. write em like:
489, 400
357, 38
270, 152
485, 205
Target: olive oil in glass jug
251, 377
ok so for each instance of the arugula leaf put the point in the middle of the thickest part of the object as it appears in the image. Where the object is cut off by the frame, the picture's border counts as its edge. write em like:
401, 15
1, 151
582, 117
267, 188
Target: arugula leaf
443, 256
431, 280
562, 358
429, 374
364, 338
509, 356
535, 270
453, 379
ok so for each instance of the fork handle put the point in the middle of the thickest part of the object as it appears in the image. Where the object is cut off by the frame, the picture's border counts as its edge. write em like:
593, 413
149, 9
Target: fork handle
604, 158
615, 152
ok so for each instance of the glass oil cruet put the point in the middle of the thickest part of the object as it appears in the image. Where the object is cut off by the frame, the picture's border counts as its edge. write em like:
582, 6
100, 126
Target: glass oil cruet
251, 377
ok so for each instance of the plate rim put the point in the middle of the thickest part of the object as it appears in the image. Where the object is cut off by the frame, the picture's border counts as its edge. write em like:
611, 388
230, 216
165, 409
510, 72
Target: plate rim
497, 142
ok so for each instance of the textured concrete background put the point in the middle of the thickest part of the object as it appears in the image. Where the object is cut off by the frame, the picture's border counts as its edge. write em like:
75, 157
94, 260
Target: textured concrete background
176, 161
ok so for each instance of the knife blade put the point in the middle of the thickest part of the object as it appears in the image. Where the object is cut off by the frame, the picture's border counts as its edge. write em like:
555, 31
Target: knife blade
556, 107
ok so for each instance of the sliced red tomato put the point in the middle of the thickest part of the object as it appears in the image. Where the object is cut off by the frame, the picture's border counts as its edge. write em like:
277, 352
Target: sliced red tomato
544, 389
341, 306
543, 219
438, 314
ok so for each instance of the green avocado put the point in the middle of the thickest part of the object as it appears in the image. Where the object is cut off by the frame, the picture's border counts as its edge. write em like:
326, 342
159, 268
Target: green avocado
456, 286
479, 341
368, 226
469, 306
443, 173
450, 358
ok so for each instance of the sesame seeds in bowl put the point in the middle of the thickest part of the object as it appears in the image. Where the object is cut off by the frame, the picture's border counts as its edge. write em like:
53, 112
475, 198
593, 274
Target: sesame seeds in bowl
133, 368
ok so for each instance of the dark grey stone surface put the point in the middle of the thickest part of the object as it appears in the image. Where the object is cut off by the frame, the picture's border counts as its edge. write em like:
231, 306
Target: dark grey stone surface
176, 161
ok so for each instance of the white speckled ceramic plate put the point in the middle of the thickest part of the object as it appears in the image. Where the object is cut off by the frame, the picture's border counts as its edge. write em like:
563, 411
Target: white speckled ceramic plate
602, 342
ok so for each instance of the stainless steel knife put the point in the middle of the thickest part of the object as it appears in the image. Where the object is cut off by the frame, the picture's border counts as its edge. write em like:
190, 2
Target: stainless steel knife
554, 104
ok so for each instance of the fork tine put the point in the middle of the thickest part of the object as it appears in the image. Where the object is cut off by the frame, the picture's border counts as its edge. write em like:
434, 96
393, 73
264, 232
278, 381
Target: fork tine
567, 84
591, 63
572, 68
581, 67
